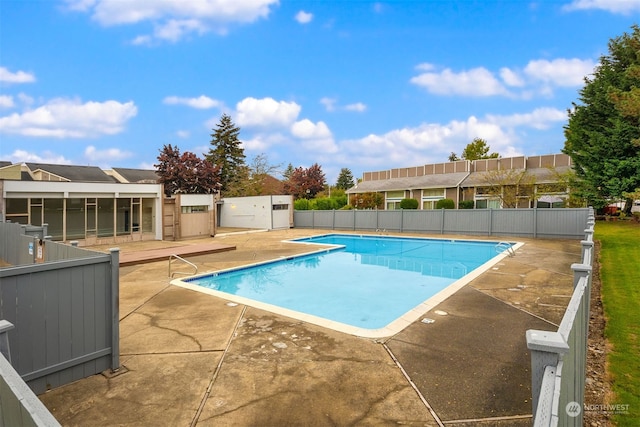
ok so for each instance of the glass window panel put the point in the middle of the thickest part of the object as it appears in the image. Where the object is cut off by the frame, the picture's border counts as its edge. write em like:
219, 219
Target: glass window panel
91, 219
75, 219
148, 215
17, 206
395, 194
105, 217
135, 216
53, 216
123, 218
36, 215
433, 192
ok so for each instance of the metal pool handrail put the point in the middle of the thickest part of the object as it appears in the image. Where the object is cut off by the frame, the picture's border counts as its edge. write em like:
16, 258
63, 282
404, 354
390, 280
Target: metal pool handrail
195, 267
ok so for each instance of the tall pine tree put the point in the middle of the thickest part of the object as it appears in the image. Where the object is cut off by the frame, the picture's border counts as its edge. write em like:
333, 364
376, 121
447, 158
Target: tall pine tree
227, 153
603, 132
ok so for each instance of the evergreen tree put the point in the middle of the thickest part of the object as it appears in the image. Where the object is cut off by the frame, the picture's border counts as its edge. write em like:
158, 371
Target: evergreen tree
227, 154
345, 179
288, 171
603, 131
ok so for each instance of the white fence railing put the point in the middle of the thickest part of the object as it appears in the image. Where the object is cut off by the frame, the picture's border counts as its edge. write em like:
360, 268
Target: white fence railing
558, 359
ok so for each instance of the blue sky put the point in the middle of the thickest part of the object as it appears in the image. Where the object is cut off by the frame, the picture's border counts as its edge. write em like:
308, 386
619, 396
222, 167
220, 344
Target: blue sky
346, 84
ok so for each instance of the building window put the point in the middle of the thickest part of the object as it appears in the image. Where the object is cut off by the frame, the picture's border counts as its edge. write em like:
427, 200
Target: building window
54, 217
75, 220
17, 210
431, 196
195, 209
393, 204
488, 204
105, 217
280, 207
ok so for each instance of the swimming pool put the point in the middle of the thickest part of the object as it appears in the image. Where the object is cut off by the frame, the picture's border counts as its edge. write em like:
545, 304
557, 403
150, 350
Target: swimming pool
366, 285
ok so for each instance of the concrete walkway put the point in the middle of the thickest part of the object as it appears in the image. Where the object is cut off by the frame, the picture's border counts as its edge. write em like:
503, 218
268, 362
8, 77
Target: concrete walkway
190, 359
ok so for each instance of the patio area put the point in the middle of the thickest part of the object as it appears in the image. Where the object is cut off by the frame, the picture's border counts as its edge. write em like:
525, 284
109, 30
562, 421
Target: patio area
191, 359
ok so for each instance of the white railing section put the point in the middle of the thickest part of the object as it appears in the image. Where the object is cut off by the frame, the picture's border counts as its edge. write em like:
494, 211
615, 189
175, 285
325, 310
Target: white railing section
558, 359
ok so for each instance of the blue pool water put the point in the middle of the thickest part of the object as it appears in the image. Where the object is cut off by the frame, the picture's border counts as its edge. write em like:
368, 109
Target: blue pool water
366, 281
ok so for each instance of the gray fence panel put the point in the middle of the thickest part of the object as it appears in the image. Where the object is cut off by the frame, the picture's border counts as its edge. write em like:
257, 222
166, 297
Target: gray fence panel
56, 251
545, 223
345, 220
303, 219
389, 220
561, 223
467, 222
366, 220
421, 221
63, 319
513, 222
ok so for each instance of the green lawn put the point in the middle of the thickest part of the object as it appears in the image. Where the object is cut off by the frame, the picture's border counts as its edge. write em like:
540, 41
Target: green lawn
620, 275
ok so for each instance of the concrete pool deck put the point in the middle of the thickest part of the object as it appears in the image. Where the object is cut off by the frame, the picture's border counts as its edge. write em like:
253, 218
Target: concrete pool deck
191, 359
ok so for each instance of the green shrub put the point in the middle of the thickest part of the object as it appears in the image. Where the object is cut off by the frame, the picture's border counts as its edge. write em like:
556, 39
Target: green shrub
445, 204
466, 204
324, 204
301, 205
408, 204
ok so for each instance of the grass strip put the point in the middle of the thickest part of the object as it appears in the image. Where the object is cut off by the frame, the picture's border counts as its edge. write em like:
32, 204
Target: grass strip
620, 276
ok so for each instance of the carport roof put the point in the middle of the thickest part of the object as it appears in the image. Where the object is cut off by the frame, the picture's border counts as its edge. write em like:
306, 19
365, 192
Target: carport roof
444, 180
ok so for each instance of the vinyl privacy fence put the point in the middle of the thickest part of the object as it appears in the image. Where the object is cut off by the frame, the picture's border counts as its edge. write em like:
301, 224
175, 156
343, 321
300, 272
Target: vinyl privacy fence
63, 302
534, 223
559, 358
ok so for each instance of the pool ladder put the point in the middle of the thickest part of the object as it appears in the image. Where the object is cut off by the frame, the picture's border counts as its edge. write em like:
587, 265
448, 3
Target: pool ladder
506, 246
172, 256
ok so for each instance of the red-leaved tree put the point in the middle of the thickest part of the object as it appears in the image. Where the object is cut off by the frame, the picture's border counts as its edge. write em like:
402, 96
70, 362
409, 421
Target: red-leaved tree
305, 183
186, 173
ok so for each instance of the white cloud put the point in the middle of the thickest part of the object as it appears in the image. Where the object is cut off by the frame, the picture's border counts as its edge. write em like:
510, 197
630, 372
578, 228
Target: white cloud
23, 156
614, 6
303, 17
266, 112
560, 72
540, 118
358, 107
7, 76
330, 104
315, 137
474, 82
511, 78
306, 129
65, 118
202, 102
433, 142
92, 154
539, 77
173, 19
6, 101
183, 134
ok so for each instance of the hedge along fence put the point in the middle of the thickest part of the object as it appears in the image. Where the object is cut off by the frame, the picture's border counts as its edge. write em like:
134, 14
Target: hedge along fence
562, 223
